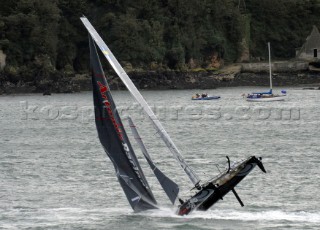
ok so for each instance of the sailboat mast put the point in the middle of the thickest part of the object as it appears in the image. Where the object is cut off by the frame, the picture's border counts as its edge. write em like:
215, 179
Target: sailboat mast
270, 74
136, 94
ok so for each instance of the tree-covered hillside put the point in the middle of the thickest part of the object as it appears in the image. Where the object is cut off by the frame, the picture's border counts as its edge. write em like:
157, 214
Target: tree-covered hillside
44, 39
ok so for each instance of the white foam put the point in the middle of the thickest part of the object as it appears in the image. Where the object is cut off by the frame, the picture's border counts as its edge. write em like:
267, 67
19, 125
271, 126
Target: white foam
273, 215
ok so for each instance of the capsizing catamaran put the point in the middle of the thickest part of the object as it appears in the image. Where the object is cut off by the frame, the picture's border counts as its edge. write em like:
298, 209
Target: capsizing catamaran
116, 144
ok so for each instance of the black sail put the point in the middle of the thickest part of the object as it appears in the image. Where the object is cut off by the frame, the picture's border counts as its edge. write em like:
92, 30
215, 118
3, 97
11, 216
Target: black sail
115, 142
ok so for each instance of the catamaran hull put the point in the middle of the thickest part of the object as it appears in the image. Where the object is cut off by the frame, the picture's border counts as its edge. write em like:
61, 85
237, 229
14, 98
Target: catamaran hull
216, 189
266, 99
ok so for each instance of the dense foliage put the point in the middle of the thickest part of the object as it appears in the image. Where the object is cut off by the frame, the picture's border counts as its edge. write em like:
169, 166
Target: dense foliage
45, 38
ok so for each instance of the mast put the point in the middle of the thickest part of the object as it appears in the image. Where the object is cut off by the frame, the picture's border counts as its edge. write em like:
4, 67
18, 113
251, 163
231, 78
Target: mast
138, 97
270, 74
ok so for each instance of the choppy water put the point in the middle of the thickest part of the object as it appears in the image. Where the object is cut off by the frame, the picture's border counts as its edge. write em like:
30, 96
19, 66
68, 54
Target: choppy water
54, 173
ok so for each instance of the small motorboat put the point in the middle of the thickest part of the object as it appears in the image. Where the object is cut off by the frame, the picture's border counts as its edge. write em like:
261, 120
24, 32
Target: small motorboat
204, 96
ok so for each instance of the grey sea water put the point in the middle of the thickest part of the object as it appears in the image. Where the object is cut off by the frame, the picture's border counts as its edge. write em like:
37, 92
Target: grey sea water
54, 173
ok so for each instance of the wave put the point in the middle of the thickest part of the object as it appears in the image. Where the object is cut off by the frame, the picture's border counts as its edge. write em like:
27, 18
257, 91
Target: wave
271, 215
163, 218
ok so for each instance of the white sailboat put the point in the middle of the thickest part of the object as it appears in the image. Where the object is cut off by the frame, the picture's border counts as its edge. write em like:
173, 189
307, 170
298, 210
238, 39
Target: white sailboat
267, 96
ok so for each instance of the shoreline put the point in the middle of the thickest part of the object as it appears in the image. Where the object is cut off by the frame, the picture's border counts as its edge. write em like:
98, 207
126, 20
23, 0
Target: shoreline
229, 76
241, 80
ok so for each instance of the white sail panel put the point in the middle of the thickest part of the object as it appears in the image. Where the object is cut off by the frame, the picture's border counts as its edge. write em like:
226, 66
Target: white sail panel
136, 94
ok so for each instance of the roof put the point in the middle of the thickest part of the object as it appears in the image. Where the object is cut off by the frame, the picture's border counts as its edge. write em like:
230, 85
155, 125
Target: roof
312, 41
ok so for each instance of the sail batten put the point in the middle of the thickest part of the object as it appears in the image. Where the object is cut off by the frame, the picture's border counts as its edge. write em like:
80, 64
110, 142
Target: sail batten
136, 94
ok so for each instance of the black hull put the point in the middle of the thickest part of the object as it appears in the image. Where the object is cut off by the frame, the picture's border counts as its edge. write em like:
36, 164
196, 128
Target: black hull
216, 189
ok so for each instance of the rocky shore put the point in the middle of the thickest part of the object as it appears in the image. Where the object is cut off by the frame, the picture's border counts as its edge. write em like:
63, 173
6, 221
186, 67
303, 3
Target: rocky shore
233, 75
207, 80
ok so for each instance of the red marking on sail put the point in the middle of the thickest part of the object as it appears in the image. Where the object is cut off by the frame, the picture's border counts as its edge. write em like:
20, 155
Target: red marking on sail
103, 89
